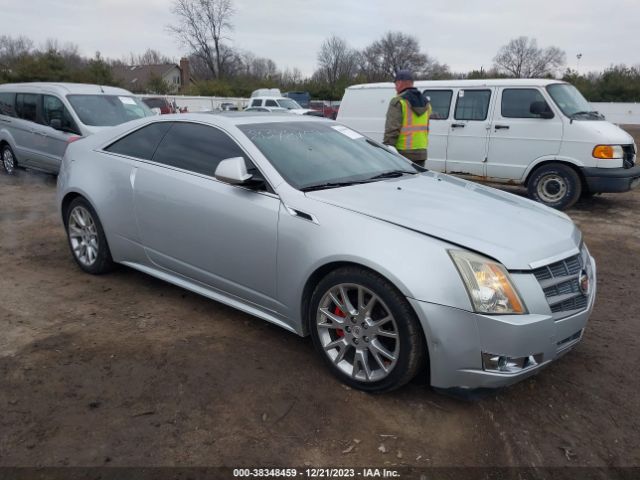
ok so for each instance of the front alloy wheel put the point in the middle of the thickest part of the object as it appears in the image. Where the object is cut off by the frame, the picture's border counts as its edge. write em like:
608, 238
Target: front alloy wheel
358, 332
366, 330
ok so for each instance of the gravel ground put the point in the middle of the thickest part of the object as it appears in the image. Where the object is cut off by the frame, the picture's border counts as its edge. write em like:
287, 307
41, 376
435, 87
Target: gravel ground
125, 370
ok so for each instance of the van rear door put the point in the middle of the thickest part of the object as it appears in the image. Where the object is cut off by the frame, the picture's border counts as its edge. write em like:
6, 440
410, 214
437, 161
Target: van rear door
469, 131
524, 129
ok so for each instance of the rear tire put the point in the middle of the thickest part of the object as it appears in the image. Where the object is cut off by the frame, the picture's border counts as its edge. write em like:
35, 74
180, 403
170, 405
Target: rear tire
86, 238
9, 162
377, 345
555, 185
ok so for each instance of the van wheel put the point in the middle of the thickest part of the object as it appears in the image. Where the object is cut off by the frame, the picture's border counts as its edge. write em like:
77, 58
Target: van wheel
555, 185
9, 160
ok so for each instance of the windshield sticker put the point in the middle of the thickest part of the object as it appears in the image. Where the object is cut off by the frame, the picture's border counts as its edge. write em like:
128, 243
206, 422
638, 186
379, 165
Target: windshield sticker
347, 132
127, 100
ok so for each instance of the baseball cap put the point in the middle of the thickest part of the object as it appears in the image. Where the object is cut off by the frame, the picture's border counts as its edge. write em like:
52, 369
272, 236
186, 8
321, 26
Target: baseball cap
403, 75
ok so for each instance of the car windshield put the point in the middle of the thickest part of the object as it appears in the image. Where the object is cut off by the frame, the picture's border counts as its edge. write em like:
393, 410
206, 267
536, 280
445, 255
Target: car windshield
315, 154
108, 110
288, 104
570, 100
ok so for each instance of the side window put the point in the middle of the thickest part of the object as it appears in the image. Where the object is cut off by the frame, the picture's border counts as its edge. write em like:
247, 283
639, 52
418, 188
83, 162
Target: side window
517, 102
8, 104
54, 110
27, 106
197, 148
472, 105
271, 103
440, 103
141, 143
256, 103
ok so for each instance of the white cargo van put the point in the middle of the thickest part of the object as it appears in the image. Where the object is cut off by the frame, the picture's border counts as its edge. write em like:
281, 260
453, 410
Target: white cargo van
539, 133
38, 120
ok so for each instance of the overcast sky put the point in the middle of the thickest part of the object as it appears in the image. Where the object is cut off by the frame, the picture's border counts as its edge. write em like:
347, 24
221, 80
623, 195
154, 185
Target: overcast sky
465, 34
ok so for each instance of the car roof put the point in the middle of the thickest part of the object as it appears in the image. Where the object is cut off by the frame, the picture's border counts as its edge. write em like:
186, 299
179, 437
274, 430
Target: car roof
491, 82
63, 88
240, 118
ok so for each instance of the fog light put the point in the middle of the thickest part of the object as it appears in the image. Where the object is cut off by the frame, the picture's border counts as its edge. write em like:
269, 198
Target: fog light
492, 362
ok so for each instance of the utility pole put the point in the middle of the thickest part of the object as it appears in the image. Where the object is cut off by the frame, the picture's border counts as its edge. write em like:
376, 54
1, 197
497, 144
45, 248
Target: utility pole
578, 56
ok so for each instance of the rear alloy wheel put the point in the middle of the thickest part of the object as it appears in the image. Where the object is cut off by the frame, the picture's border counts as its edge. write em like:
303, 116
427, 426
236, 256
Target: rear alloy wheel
8, 160
365, 330
555, 185
86, 238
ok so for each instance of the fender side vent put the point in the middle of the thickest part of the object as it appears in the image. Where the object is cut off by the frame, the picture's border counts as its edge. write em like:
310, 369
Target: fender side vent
298, 213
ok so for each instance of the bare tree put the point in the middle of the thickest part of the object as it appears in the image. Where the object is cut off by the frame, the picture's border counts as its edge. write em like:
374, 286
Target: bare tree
149, 57
11, 49
201, 27
521, 58
336, 61
393, 52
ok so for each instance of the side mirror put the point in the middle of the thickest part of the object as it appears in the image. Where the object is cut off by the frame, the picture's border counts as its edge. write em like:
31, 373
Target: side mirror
233, 171
156, 111
541, 108
55, 123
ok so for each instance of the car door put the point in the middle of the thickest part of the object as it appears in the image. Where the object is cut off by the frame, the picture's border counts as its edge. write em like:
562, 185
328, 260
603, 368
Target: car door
438, 128
217, 234
469, 132
517, 136
25, 129
58, 127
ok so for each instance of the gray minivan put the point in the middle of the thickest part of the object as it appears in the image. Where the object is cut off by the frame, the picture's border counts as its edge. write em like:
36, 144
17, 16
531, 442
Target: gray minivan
38, 120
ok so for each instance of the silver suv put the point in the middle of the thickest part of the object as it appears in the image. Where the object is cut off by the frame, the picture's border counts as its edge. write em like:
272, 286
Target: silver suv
38, 120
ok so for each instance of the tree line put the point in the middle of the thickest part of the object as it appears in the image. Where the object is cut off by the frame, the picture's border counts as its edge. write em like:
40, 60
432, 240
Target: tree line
204, 28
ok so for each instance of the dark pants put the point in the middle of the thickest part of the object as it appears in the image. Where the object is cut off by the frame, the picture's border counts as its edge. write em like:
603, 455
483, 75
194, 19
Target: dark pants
416, 156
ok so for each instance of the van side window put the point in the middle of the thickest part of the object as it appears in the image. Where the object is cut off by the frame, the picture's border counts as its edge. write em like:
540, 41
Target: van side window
472, 104
440, 103
516, 102
27, 106
270, 103
142, 143
8, 104
54, 110
256, 103
197, 148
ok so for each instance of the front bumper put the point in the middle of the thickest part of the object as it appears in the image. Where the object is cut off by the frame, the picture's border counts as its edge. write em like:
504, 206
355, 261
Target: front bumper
603, 180
457, 339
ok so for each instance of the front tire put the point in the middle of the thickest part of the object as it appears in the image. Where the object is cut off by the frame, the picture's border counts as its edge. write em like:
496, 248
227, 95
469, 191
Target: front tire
365, 330
9, 162
86, 237
555, 185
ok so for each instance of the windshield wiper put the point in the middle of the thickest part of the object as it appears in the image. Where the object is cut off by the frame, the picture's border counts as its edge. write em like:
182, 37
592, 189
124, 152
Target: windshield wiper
323, 186
584, 112
392, 174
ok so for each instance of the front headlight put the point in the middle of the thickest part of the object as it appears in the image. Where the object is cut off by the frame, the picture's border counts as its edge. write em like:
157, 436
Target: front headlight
608, 152
488, 284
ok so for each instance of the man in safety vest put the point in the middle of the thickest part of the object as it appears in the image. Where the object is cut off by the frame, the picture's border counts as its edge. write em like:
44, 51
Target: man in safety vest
407, 124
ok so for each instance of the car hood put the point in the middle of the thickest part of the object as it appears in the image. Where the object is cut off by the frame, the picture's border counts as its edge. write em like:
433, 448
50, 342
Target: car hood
519, 233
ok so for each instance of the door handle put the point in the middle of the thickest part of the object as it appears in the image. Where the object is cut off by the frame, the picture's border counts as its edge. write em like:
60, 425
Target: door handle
457, 125
502, 127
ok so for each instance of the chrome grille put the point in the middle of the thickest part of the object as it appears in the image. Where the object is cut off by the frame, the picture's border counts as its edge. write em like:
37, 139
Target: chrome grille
628, 159
561, 287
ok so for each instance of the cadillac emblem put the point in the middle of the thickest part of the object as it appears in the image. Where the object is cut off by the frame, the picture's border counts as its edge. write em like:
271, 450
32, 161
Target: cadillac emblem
583, 283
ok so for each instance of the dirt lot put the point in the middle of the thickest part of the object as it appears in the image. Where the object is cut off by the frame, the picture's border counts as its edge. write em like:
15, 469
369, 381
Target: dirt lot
127, 370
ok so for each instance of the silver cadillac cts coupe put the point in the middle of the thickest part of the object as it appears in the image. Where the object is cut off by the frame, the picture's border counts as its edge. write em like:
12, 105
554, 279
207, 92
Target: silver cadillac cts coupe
390, 268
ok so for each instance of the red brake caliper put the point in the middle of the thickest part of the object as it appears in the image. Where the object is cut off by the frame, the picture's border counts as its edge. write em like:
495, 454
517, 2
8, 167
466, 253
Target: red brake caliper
339, 313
